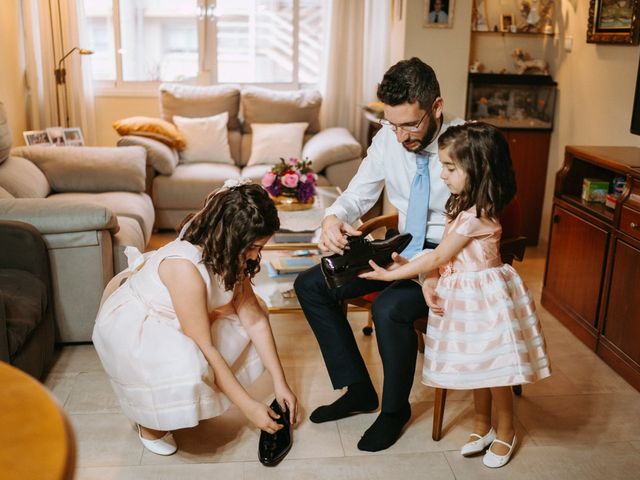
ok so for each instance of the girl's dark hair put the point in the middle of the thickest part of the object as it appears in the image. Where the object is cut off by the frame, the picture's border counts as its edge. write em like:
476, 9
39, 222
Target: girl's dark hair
409, 81
483, 153
228, 224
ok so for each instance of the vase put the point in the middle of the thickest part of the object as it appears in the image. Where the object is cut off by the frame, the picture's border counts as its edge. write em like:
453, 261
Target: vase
290, 203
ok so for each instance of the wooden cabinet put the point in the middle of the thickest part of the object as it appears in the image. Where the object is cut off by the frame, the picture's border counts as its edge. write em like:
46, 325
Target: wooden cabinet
593, 263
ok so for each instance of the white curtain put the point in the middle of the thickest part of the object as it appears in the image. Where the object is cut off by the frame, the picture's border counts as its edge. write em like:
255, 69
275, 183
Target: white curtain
356, 57
52, 28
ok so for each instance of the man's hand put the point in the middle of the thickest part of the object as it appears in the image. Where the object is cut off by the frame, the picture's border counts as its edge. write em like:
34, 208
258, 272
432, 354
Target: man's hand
333, 236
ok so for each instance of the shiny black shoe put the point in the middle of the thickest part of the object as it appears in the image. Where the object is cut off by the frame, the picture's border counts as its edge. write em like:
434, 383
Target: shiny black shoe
338, 270
273, 447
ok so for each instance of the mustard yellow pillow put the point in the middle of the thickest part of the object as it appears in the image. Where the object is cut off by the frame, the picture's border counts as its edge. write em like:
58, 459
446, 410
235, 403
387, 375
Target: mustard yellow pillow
157, 128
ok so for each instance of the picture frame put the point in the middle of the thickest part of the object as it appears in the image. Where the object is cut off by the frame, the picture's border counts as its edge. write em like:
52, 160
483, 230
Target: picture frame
438, 14
479, 16
73, 137
36, 137
506, 21
614, 22
56, 136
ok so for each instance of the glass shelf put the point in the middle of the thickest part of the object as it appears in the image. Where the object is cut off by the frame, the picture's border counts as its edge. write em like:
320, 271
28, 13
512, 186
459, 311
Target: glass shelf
515, 34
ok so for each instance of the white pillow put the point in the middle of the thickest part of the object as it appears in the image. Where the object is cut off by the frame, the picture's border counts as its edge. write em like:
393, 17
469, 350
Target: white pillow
270, 141
206, 139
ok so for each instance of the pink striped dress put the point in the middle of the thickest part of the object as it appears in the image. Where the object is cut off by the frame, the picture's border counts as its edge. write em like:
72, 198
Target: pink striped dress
489, 334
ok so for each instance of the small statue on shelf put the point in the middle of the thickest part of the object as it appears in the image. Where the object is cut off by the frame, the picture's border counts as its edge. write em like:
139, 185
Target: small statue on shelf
526, 64
529, 17
476, 67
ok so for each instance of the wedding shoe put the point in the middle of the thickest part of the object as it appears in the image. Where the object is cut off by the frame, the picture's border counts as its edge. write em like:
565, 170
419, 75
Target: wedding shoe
477, 446
496, 461
162, 446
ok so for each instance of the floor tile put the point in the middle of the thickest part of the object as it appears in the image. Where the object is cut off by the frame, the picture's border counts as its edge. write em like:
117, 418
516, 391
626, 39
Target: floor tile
227, 471
60, 384
77, 359
92, 393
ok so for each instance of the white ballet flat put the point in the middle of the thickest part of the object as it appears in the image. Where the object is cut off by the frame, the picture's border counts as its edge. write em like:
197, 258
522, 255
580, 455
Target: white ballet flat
492, 460
477, 446
162, 446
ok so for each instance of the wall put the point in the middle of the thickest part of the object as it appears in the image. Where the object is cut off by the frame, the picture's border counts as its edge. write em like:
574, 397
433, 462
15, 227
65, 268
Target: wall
112, 108
12, 89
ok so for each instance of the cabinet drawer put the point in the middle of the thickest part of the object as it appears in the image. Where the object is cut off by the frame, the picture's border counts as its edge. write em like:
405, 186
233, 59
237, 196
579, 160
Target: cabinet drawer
630, 222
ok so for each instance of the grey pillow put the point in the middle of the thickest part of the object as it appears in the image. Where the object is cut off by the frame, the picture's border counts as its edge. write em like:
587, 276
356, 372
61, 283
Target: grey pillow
22, 179
160, 156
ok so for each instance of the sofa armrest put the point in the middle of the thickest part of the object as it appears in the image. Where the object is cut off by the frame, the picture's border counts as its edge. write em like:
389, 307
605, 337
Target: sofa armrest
159, 155
331, 146
4, 339
53, 215
89, 169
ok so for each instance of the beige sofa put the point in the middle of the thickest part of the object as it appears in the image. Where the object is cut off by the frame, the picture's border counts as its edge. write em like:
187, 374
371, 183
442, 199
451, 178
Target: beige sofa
179, 188
89, 204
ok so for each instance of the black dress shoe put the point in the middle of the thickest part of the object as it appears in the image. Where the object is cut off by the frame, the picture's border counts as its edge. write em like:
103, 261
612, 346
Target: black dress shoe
339, 269
273, 447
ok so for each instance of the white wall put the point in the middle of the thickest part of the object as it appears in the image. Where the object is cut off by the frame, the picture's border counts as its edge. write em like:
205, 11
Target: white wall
110, 108
12, 89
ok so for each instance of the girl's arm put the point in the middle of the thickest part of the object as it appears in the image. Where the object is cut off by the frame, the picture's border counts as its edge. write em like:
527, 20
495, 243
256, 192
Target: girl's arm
189, 297
450, 246
257, 325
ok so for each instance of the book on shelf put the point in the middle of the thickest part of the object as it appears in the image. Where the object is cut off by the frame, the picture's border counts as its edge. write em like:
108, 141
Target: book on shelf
294, 264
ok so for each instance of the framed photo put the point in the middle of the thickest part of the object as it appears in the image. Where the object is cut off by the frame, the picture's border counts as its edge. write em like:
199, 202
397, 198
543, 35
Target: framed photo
438, 14
614, 22
73, 137
56, 136
36, 137
479, 16
506, 21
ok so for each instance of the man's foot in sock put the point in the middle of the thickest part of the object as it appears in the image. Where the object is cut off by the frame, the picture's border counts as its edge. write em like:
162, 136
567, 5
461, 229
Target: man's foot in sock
360, 398
385, 431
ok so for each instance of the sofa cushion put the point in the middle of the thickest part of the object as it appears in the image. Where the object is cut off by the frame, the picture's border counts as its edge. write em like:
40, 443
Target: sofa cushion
5, 134
161, 157
206, 139
200, 101
331, 145
151, 127
25, 300
137, 206
261, 105
273, 141
23, 179
90, 169
190, 184
129, 235
5, 194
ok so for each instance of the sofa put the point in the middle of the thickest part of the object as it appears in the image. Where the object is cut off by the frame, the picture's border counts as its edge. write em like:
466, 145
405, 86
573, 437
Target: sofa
88, 203
178, 187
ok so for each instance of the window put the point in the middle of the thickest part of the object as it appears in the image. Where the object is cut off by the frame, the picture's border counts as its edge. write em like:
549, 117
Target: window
223, 41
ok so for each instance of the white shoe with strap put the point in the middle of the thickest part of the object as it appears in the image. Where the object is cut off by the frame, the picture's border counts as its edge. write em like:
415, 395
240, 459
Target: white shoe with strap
165, 445
493, 460
477, 446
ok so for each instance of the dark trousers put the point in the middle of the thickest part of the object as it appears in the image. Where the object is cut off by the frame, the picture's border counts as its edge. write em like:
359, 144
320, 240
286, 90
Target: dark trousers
393, 312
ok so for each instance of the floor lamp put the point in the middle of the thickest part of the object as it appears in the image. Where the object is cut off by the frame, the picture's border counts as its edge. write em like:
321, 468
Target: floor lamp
61, 75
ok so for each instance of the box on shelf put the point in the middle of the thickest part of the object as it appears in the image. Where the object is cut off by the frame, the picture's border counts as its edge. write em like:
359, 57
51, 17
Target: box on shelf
611, 199
594, 190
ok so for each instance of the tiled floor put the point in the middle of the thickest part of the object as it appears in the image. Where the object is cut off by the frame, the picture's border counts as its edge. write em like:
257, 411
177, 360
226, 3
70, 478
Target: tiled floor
581, 423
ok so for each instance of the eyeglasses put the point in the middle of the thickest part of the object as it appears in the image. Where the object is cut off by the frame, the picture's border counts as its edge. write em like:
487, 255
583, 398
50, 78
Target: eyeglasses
405, 128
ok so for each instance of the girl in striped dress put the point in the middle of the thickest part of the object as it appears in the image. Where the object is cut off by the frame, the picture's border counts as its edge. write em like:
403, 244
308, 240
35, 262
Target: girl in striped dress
483, 333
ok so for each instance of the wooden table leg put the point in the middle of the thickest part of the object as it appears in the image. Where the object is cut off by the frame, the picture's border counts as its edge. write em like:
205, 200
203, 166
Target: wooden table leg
438, 413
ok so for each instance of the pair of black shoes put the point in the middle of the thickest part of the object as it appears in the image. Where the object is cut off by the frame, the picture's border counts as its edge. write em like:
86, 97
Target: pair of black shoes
273, 447
338, 270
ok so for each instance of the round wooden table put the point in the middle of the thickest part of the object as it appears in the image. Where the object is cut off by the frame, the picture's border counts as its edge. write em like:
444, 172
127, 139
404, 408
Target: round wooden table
36, 440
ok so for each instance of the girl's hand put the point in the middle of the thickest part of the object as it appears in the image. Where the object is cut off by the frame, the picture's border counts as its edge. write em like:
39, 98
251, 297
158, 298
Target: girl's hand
431, 297
262, 417
398, 261
378, 273
286, 398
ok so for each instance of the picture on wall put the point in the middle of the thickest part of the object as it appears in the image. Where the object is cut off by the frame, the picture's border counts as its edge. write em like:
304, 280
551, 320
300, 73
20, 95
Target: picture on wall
614, 21
438, 14
36, 137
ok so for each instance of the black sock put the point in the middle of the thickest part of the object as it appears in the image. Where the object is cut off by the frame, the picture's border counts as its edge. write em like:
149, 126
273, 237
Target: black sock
385, 431
360, 397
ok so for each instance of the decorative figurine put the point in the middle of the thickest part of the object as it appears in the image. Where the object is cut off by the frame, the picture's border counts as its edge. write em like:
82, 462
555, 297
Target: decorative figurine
526, 64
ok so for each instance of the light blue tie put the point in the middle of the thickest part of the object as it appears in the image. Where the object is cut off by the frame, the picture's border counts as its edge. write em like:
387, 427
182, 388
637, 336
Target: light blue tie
417, 212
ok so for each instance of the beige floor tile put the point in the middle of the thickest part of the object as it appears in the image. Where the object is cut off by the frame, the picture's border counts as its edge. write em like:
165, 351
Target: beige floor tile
636, 445
60, 384
77, 359
105, 439
613, 462
227, 471
590, 374
92, 393
406, 467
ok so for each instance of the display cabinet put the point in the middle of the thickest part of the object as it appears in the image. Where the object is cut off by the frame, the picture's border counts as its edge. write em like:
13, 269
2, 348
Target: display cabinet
593, 262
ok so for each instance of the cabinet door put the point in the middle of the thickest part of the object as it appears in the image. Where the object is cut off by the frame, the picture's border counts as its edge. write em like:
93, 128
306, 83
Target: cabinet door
530, 155
622, 320
575, 266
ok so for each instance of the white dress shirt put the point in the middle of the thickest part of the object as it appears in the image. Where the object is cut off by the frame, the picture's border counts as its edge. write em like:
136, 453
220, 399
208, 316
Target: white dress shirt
390, 166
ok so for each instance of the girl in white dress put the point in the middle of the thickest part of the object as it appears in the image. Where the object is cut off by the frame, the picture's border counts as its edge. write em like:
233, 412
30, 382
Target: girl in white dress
483, 332
184, 334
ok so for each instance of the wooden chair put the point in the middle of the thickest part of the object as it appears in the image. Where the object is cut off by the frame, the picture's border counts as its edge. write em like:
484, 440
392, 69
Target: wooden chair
512, 247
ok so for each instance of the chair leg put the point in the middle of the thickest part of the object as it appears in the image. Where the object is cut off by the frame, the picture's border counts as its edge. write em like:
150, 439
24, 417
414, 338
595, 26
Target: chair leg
420, 341
438, 413
368, 330
517, 389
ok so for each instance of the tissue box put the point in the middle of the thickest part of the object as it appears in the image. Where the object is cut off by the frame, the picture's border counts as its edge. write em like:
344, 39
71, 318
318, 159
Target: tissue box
594, 190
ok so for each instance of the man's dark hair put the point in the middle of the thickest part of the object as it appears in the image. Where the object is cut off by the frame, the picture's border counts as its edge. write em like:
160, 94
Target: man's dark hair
409, 81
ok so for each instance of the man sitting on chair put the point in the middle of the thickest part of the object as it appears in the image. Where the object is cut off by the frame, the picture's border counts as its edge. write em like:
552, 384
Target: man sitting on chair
403, 160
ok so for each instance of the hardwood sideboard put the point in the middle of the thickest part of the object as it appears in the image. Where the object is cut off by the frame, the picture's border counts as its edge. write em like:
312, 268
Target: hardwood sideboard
592, 276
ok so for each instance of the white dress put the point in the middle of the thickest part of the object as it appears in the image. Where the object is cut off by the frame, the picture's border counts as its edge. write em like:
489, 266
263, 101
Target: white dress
159, 374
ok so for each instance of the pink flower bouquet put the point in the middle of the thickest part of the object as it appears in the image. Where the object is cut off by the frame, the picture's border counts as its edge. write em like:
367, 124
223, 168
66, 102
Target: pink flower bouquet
293, 178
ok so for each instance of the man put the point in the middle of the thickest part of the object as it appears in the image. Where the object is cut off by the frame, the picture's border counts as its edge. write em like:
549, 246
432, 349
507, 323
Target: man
413, 121
437, 15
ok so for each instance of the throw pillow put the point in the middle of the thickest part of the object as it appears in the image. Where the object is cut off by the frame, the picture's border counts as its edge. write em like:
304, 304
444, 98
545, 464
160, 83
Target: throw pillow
151, 127
206, 139
271, 141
